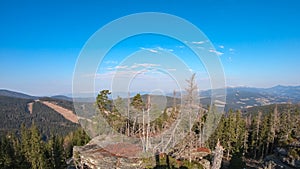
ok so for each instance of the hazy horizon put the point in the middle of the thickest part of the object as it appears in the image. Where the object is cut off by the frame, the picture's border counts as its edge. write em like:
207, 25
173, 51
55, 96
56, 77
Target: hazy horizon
135, 92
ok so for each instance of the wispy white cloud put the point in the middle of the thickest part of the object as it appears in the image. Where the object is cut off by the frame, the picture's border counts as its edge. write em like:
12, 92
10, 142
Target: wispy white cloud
150, 50
110, 74
129, 68
165, 49
200, 47
180, 46
121, 67
110, 68
216, 52
231, 50
198, 42
144, 65
127, 73
111, 62
221, 46
157, 49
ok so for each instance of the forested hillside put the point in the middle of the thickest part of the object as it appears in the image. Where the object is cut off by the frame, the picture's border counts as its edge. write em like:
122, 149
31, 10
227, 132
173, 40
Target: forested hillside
15, 111
36, 136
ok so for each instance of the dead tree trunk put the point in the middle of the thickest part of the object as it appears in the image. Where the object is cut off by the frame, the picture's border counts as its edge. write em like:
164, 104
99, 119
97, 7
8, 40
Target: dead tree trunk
217, 161
128, 119
190, 100
174, 101
143, 132
148, 122
200, 127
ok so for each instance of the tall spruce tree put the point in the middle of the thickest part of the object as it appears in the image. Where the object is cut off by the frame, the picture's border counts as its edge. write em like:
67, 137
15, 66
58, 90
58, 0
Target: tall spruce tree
55, 152
137, 102
7, 154
37, 149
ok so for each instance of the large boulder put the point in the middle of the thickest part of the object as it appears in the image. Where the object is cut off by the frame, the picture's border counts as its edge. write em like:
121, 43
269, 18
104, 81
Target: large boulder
116, 155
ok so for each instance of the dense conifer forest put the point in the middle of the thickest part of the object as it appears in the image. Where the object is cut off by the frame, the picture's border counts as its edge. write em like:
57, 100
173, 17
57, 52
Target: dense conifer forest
29, 150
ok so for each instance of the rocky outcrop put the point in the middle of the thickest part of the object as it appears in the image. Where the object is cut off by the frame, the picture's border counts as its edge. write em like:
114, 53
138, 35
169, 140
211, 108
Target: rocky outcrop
118, 155
281, 159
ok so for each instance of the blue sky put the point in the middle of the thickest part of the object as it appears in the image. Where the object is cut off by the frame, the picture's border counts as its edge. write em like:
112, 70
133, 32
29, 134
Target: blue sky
259, 42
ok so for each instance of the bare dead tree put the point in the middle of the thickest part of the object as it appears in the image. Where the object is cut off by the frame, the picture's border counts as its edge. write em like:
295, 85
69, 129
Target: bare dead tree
200, 128
148, 122
274, 126
128, 119
174, 101
133, 126
172, 136
190, 99
218, 156
143, 132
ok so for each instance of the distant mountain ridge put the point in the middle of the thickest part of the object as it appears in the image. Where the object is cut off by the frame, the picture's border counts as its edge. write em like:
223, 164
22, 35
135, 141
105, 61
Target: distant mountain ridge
246, 97
62, 97
8, 93
267, 96
236, 97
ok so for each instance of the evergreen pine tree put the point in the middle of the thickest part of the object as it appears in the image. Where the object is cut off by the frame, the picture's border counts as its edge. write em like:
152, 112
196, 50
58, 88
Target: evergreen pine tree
137, 102
36, 152
55, 152
6, 153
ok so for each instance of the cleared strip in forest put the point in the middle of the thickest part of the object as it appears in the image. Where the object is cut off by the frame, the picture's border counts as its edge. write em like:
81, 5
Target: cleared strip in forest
68, 114
30, 106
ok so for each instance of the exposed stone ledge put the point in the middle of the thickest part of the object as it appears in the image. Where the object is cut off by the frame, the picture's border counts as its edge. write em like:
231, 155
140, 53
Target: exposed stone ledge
112, 156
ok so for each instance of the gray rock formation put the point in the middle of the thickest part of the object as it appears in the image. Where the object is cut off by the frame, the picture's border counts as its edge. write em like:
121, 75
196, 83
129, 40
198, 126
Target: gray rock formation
112, 156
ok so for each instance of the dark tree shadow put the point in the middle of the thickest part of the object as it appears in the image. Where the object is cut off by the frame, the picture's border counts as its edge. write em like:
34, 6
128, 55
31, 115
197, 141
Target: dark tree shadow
168, 167
165, 162
157, 158
183, 167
